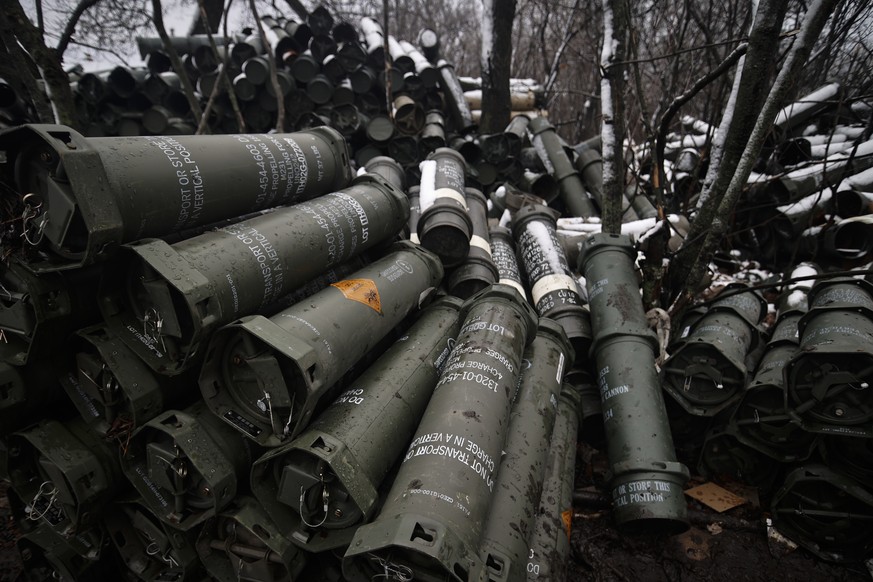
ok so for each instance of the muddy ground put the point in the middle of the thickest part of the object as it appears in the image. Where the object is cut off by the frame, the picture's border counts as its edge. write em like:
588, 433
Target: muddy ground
732, 546
729, 547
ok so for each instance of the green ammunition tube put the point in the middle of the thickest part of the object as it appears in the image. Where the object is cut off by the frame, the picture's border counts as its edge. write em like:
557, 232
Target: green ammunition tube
433, 134
453, 93
444, 226
114, 390
708, 372
590, 408
81, 197
504, 257
433, 518
590, 166
826, 513
553, 289
760, 420
509, 530
478, 270
168, 300
39, 312
187, 465
151, 549
646, 479
341, 459
850, 456
243, 543
828, 380
46, 555
551, 152
549, 551
388, 169
65, 474
265, 377
723, 455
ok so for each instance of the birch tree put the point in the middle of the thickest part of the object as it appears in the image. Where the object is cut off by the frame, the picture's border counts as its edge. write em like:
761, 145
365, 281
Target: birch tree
497, 18
612, 83
813, 23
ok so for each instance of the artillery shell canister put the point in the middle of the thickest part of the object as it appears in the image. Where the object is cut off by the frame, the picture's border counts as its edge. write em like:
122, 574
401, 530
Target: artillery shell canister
434, 515
647, 481
511, 522
168, 300
187, 465
550, 547
81, 197
553, 289
478, 270
551, 152
265, 377
444, 226
341, 459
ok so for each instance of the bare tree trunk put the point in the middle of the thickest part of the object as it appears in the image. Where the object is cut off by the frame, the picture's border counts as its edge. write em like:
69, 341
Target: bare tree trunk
496, 60
274, 77
612, 66
207, 18
56, 79
187, 87
752, 90
17, 70
813, 23
70, 27
228, 82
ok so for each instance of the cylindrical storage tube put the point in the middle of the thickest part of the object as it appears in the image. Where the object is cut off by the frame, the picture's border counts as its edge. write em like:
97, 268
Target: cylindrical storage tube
707, 373
550, 546
244, 543
553, 289
590, 408
647, 481
65, 473
518, 488
557, 163
504, 257
454, 96
187, 465
344, 455
828, 380
826, 513
444, 227
590, 166
478, 271
150, 548
49, 556
433, 134
389, 169
761, 420
88, 195
38, 312
265, 376
170, 299
408, 115
433, 517
114, 390
414, 213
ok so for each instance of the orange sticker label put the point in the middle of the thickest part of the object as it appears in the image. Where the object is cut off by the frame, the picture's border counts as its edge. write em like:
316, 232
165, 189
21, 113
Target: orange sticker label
567, 518
361, 290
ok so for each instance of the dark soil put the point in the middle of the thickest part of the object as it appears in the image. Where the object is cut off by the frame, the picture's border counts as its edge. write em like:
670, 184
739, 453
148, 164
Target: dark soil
729, 547
732, 546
